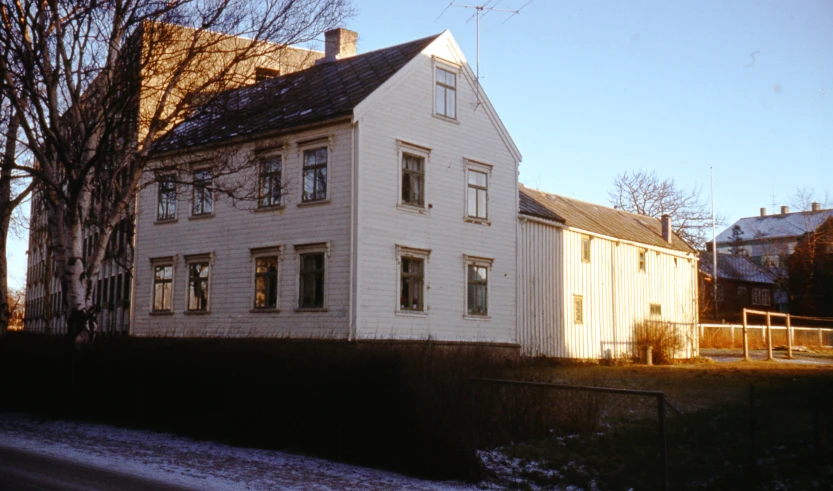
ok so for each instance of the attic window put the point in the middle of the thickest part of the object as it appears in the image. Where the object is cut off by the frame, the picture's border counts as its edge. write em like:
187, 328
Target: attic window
642, 260
445, 94
585, 248
263, 73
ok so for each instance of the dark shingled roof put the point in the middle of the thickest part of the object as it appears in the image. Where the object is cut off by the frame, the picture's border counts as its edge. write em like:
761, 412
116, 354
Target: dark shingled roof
777, 226
320, 93
598, 219
740, 268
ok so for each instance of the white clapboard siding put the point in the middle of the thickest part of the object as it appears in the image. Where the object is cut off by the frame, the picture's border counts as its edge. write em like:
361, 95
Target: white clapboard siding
405, 113
616, 295
231, 234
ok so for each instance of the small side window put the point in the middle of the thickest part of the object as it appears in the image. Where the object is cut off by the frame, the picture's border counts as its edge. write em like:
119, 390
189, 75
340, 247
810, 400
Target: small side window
578, 309
642, 260
656, 309
585, 248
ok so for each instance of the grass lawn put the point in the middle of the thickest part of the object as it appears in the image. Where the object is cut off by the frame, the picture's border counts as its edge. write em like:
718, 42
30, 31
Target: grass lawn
709, 440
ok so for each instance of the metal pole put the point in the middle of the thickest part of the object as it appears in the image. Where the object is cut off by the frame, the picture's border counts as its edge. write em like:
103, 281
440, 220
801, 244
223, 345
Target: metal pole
663, 449
789, 338
768, 337
714, 245
745, 338
752, 423
477, 15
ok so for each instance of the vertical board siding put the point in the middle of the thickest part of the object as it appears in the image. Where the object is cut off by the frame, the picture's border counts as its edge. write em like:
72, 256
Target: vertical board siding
617, 296
406, 113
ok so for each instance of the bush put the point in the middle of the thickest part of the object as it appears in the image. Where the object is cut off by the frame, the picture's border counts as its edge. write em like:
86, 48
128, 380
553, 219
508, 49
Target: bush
664, 338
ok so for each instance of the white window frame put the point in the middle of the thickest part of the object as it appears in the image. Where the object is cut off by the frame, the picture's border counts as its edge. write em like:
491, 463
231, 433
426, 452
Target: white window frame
161, 262
441, 64
193, 259
479, 261
412, 252
260, 158
403, 148
589, 256
254, 255
210, 192
309, 145
473, 165
165, 176
312, 248
578, 310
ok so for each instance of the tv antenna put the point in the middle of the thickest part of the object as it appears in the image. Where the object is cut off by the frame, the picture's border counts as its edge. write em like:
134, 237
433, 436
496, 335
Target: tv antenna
481, 11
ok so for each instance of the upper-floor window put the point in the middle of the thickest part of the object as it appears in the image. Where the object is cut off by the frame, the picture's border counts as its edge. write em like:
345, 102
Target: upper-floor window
203, 195
446, 93
477, 287
411, 277
656, 309
163, 275
477, 199
166, 203
578, 309
585, 248
413, 180
198, 275
642, 259
269, 189
315, 175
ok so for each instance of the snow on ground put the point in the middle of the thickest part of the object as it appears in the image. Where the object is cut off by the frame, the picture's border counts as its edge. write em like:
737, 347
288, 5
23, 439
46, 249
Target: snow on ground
195, 464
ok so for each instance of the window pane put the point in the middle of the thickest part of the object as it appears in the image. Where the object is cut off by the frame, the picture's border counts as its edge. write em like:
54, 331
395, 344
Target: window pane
198, 286
472, 206
406, 188
321, 189
439, 101
451, 103
309, 185
481, 203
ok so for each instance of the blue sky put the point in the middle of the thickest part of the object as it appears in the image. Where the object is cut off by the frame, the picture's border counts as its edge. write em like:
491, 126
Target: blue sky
590, 89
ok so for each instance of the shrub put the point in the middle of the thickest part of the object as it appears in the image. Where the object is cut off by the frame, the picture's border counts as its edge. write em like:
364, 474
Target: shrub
664, 338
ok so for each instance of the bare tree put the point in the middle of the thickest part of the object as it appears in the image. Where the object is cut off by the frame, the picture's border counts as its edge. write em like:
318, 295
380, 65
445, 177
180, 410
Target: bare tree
17, 302
96, 83
810, 272
646, 194
803, 198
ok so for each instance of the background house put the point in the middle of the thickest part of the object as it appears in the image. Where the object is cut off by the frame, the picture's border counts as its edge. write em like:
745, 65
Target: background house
590, 276
377, 200
740, 284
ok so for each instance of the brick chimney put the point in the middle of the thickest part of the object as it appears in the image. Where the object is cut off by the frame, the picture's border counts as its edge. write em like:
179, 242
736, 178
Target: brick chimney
785, 210
339, 43
763, 212
815, 206
666, 228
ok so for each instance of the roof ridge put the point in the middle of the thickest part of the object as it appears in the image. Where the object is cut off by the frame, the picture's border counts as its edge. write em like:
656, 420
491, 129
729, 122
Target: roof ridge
591, 203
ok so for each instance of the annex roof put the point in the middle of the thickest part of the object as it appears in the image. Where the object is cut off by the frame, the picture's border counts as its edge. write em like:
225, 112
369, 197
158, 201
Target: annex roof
320, 93
597, 219
777, 226
735, 267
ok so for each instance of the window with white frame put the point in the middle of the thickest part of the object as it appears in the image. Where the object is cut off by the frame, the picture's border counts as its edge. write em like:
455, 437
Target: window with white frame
203, 194
413, 180
266, 264
412, 266
585, 248
445, 93
312, 275
578, 309
269, 181
477, 191
166, 202
315, 175
642, 260
163, 282
199, 270
477, 286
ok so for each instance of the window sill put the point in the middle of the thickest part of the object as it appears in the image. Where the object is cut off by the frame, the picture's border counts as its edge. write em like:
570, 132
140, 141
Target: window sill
166, 220
264, 311
470, 317
314, 203
197, 312
417, 210
420, 314
262, 209
312, 309
478, 221
161, 312
202, 216
446, 118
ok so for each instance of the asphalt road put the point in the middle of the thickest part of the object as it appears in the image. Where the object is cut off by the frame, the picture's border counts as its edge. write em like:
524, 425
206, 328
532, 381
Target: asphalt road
24, 471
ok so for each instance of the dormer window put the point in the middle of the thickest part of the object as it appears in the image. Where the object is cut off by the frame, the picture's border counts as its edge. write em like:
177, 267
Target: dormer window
445, 97
263, 73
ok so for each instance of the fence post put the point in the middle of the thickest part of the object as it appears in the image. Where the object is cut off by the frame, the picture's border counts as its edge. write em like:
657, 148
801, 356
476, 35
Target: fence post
821, 338
663, 450
789, 338
732, 333
745, 338
768, 337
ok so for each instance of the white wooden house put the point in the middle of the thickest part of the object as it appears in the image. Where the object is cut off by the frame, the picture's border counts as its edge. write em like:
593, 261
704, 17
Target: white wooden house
385, 206
588, 275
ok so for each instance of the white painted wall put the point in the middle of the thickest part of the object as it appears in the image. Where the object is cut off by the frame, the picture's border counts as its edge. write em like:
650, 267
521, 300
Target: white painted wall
230, 235
403, 110
615, 293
